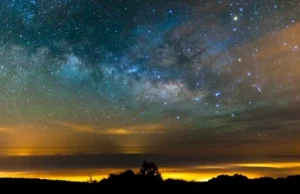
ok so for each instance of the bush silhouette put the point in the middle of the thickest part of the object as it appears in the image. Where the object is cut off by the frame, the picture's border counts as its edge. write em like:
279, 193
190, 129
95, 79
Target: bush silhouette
226, 179
148, 174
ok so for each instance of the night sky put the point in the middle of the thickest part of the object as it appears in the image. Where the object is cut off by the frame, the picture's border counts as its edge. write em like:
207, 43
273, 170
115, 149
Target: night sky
200, 87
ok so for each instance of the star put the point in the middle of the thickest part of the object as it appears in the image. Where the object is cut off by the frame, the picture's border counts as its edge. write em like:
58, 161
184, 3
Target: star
125, 77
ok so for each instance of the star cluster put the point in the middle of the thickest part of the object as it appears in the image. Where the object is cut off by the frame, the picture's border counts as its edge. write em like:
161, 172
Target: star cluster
85, 72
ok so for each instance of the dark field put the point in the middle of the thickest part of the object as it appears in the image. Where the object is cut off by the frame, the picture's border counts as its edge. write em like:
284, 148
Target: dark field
133, 184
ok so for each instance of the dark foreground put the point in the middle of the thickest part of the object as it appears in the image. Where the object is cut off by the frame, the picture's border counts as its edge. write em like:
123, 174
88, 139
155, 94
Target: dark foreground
231, 184
149, 180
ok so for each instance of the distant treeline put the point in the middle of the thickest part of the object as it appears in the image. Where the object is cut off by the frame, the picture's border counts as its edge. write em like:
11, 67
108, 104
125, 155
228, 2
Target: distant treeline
149, 180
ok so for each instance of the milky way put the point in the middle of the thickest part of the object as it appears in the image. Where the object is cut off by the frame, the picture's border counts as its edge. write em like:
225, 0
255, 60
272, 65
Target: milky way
150, 75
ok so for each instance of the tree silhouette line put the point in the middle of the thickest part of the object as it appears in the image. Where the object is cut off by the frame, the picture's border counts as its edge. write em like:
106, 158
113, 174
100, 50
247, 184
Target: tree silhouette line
149, 180
148, 173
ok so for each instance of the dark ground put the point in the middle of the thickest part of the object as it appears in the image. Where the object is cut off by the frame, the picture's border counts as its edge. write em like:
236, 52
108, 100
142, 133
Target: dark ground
127, 184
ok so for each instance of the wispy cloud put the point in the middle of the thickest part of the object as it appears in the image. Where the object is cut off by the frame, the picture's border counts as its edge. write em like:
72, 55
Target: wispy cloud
77, 127
126, 130
137, 129
4, 130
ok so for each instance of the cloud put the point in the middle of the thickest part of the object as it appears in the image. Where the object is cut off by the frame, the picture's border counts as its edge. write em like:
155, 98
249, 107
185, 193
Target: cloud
117, 131
82, 128
139, 129
126, 130
4, 130
166, 163
269, 118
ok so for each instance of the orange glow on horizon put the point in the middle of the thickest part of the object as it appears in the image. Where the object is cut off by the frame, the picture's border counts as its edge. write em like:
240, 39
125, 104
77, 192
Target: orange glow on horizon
204, 173
270, 165
187, 176
200, 177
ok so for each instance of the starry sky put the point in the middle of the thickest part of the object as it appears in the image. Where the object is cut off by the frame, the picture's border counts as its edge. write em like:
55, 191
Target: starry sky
93, 85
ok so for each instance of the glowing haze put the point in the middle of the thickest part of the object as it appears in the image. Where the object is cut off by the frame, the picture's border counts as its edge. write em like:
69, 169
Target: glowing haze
199, 87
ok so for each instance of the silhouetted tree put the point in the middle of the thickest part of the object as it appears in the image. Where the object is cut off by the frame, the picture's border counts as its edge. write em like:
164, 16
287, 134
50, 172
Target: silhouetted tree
91, 179
150, 171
